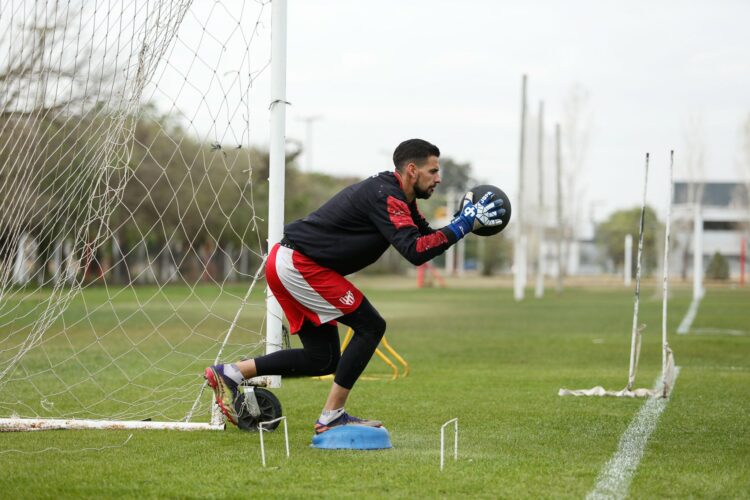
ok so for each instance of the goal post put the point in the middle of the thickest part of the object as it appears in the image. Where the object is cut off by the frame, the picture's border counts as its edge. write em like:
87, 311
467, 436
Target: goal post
277, 169
134, 188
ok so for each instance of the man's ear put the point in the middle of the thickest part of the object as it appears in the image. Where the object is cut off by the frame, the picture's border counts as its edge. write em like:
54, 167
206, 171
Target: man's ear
411, 169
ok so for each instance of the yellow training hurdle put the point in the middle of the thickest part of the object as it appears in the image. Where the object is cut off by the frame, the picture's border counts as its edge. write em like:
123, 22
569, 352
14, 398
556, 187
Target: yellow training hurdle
384, 342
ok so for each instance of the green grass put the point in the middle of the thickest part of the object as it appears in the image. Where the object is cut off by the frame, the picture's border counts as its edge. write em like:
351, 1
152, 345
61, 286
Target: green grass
477, 355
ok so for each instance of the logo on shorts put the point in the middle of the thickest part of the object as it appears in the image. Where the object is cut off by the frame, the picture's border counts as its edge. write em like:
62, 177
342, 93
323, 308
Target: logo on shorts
347, 299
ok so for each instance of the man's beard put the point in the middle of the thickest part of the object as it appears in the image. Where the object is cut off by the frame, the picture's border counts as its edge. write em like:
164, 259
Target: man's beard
422, 194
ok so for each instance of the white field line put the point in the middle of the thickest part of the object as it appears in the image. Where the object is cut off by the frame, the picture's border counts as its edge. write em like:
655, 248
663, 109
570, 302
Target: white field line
720, 331
687, 321
614, 478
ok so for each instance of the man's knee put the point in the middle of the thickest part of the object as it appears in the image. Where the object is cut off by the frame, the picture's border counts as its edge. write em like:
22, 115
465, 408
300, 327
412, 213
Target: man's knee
367, 323
373, 331
379, 326
325, 363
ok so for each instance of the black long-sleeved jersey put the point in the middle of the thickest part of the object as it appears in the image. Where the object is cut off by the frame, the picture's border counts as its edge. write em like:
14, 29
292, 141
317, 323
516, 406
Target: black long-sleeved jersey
353, 229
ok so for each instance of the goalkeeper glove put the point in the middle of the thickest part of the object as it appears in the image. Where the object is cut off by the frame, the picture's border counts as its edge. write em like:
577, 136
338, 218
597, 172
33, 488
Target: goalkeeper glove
471, 216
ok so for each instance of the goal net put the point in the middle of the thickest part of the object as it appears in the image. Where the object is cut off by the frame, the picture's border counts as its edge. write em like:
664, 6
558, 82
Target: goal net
131, 203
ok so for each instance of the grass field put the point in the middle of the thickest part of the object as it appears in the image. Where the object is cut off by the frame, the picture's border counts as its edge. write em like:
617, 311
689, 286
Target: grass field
477, 355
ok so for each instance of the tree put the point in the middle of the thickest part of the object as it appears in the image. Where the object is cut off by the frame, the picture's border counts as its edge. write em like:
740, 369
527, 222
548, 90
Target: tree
610, 235
718, 268
455, 176
53, 125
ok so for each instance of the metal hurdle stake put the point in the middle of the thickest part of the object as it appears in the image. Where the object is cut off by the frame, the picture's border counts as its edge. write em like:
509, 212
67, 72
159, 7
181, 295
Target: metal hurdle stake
454, 421
262, 430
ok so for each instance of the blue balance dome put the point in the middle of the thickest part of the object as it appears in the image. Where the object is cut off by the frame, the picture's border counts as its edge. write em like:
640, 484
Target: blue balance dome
353, 437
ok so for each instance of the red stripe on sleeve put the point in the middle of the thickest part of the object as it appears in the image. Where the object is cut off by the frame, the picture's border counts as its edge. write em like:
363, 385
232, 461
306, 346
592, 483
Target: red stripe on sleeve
399, 213
433, 240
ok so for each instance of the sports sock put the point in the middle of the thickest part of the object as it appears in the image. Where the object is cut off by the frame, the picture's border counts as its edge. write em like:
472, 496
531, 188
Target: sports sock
233, 373
328, 416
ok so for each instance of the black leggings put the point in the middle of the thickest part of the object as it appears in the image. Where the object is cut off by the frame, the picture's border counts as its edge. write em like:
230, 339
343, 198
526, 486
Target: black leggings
320, 352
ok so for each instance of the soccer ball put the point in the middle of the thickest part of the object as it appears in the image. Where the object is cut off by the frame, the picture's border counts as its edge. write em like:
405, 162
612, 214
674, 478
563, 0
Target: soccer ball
497, 194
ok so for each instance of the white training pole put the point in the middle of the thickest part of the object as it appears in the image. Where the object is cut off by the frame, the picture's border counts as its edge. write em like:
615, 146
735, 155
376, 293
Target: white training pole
524, 263
666, 356
628, 264
19, 265
519, 260
698, 291
277, 163
558, 198
542, 269
460, 257
453, 421
635, 335
539, 288
309, 121
697, 252
261, 430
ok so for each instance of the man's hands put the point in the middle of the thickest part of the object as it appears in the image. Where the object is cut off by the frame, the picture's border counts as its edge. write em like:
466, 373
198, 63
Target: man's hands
471, 216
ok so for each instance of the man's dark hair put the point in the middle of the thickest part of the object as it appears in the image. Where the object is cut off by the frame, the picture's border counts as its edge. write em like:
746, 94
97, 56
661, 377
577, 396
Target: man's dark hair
413, 150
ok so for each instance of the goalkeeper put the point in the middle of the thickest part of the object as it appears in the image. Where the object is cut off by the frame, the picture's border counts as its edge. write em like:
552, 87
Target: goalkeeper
306, 270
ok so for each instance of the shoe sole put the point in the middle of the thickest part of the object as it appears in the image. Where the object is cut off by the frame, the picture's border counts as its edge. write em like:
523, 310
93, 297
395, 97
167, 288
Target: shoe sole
218, 389
322, 429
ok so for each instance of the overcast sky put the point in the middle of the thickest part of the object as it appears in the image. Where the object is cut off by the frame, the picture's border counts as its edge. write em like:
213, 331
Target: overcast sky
659, 76
450, 72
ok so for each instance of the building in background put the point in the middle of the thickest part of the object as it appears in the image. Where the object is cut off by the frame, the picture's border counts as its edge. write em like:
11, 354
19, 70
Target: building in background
725, 213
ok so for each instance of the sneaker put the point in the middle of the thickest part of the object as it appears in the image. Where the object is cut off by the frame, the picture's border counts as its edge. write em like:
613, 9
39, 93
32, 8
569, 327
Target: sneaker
346, 419
225, 390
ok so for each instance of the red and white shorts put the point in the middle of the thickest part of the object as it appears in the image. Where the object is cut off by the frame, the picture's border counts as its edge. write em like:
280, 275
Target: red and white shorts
308, 291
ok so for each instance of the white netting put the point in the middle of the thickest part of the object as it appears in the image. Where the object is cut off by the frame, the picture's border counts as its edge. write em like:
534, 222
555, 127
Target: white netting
129, 228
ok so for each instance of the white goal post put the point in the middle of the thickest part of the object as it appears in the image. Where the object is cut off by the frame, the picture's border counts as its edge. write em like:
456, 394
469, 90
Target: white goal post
134, 206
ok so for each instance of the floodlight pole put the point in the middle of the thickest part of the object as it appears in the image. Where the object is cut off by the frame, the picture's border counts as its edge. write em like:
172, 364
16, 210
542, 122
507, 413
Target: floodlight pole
743, 253
558, 181
277, 165
519, 250
539, 289
309, 121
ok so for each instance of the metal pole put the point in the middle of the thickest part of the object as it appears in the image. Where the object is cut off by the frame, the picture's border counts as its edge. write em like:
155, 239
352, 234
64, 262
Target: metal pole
20, 276
635, 342
460, 258
558, 181
539, 289
277, 163
518, 261
743, 252
665, 290
309, 121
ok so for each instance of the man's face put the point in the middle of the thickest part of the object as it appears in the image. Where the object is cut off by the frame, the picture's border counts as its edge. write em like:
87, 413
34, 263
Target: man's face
427, 178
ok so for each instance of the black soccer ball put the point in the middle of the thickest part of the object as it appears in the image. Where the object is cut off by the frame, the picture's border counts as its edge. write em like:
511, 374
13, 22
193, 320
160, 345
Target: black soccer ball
497, 194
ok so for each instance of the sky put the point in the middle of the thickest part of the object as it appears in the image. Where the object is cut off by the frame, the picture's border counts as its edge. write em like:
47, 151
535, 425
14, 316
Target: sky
658, 76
